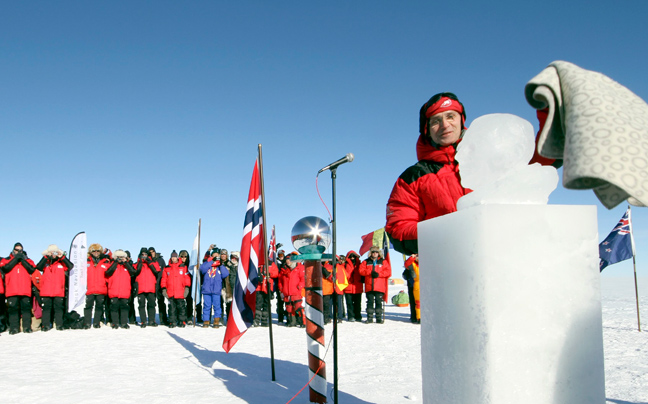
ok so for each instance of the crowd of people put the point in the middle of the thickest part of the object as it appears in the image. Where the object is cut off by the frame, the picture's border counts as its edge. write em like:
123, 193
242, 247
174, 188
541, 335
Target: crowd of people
148, 291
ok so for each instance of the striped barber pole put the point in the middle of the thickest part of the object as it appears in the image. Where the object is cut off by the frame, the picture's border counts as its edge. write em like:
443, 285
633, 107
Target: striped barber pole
315, 331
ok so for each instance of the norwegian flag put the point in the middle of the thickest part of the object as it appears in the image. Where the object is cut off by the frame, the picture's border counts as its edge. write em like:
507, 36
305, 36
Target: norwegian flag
272, 251
252, 256
618, 245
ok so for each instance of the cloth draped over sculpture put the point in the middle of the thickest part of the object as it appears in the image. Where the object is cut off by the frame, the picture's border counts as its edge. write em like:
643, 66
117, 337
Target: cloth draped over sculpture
598, 127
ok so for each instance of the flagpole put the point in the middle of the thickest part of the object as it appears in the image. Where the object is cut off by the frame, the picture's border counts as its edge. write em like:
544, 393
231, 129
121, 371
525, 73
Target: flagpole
197, 273
634, 264
265, 267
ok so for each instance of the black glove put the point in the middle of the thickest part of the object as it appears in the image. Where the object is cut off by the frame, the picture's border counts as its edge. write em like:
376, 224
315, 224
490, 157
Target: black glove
186, 291
164, 293
374, 274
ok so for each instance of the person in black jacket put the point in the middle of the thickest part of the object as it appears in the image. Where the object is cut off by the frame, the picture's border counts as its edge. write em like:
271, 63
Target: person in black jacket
158, 262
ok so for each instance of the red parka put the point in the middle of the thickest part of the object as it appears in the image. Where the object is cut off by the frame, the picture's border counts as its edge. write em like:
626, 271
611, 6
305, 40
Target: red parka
17, 279
119, 280
428, 189
53, 280
97, 283
383, 269
175, 278
352, 270
146, 277
291, 282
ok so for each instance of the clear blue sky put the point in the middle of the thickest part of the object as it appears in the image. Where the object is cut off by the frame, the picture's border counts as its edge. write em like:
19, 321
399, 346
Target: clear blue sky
132, 120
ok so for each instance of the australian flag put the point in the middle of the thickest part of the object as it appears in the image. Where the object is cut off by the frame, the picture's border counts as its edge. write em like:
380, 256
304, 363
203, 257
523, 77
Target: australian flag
617, 246
252, 258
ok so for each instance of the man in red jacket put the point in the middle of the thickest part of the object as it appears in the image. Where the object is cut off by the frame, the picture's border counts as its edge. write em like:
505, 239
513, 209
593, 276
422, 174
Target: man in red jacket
97, 287
54, 265
146, 277
119, 288
376, 272
431, 187
175, 285
17, 269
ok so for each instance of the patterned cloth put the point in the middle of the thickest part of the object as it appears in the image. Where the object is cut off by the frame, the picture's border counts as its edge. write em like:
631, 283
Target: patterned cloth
598, 127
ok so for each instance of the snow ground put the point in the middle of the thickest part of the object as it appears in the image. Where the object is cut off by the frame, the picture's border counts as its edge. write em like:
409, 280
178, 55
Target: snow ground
377, 363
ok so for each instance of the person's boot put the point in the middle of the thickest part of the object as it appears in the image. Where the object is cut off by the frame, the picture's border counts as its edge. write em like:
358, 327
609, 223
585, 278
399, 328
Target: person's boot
205, 324
292, 321
216, 322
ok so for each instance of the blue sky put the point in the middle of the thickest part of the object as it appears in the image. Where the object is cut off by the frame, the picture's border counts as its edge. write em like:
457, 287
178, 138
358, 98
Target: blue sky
132, 120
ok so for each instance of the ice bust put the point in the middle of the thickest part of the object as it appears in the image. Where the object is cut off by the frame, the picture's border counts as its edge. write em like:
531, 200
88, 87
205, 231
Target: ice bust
510, 295
494, 162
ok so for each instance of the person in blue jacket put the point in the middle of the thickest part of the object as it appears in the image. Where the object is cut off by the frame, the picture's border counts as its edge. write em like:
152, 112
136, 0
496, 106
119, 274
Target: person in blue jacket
214, 273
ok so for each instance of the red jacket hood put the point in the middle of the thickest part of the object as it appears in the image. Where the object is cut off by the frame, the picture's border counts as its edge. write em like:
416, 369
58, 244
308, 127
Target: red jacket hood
443, 154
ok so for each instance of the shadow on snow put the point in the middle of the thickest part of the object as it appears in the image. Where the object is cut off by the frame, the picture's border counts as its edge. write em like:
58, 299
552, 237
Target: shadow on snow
252, 374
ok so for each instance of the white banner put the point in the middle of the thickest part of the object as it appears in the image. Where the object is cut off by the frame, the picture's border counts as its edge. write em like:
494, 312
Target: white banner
78, 284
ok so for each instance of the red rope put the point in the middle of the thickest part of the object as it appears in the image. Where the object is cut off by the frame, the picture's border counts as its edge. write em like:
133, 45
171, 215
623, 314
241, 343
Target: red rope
318, 369
320, 196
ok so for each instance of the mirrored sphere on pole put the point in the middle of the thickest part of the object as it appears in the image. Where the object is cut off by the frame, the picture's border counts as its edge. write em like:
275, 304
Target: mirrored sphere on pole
311, 232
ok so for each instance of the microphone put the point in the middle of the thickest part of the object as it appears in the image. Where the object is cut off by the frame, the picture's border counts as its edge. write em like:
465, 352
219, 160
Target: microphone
346, 159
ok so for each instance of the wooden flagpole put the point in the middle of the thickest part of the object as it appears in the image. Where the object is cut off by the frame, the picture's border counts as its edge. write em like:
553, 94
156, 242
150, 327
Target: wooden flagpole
197, 273
634, 264
265, 267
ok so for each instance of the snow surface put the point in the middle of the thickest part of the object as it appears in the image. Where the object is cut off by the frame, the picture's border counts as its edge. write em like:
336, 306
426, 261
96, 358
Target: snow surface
377, 363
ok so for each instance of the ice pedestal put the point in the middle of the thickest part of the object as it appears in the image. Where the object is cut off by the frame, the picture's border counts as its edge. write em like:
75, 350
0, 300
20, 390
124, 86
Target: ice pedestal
510, 306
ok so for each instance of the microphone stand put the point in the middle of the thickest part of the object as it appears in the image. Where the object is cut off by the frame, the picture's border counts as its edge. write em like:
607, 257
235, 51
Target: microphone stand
335, 295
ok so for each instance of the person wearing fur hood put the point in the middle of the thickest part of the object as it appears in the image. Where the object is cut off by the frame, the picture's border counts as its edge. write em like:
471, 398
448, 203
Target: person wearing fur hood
376, 271
55, 268
119, 288
97, 288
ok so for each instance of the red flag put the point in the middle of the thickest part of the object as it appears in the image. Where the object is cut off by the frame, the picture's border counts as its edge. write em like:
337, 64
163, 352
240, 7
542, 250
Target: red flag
252, 258
367, 242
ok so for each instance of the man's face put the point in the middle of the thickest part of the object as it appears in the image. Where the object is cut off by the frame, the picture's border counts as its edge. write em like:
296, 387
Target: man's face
152, 253
223, 257
445, 127
17, 250
375, 254
95, 253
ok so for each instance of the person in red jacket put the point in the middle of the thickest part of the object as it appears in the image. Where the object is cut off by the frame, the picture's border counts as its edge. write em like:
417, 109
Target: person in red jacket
353, 292
55, 267
146, 278
175, 285
119, 288
431, 187
376, 272
17, 270
97, 288
291, 284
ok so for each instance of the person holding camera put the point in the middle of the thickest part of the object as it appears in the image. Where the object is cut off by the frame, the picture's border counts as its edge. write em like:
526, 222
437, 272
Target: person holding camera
146, 277
214, 274
176, 284
119, 288
17, 270
158, 262
353, 292
55, 268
